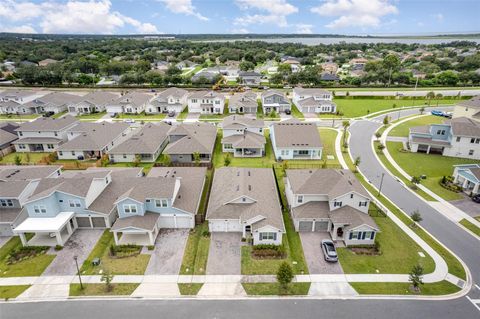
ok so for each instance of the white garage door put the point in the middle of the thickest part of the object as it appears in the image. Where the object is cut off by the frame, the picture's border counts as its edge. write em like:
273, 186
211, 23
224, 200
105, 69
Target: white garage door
6, 230
184, 222
217, 225
166, 222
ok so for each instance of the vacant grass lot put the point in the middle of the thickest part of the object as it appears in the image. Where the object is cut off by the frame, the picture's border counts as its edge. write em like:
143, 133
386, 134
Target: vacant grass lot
394, 288
30, 267
9, 292
18, 117
134, 265
196, 251
101, 290
34, 157
355, 107
432, 165
403, 129
328, 137
270, 289
399, 253
189, 289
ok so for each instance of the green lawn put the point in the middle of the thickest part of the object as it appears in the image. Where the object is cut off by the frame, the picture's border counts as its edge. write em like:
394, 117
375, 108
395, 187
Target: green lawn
134, 265
356, 107
34, 157
394, 288
19, 117
454, 265
399, 253
58, 115
189, 289
432, 165
216, 116
403, 129
182, 116
473, 228
30, 267
9, 292
101, 290
296, 112
142, 116
196, 251
272, 289
328, 140
91, 116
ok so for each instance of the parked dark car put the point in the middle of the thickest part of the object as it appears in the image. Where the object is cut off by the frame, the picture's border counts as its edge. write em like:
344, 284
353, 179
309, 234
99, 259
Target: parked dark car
171, 114
329, 251
48, 114
288, 112
476, 198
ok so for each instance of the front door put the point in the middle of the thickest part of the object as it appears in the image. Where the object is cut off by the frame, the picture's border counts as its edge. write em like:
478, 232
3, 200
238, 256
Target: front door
340, 232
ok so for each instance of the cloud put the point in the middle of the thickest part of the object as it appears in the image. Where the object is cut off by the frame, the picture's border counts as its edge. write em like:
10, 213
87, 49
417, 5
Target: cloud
355, 13
303, 28
73, 16
18, 29
272, 12
239, 31
438, 16
183, 6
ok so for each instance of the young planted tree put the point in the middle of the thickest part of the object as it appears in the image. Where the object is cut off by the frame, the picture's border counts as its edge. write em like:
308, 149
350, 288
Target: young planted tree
378, 135
167, 160
18, 160
416, 277
196, 158
381, 147
386, 120
422, 110
346, 125
356, 162
107, 278
284, 275
415, 181
430, 95
416, 217
438, 97
227, 159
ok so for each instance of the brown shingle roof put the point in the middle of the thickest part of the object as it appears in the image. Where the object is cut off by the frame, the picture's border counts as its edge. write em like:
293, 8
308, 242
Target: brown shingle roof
48, 124
146, 222
200, 137
296, 134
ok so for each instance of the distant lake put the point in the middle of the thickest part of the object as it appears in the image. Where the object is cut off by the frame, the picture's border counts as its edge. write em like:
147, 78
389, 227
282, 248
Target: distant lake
316, 41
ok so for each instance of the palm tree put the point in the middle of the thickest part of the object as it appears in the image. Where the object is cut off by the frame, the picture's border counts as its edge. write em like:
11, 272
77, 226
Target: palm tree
345, 124
438, 97
430, 95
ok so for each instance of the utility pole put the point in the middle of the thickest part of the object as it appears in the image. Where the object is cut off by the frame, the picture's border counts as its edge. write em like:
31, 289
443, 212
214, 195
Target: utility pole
78, 271
381, 184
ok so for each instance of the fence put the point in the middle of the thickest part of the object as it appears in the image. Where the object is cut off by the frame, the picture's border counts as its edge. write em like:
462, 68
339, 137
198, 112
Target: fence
287, 165
208, 165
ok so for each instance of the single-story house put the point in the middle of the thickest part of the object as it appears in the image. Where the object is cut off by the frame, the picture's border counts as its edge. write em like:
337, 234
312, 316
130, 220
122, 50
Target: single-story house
93, 102
132, 102
468, 177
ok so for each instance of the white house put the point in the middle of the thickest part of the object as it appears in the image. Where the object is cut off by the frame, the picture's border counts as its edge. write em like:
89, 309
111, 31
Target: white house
273, 100
245, 200
469, 108
313, 100
133, 103
293, 139
93, 102
243, 136
468, 177
206, 102
170, 100
330, 201
55, 102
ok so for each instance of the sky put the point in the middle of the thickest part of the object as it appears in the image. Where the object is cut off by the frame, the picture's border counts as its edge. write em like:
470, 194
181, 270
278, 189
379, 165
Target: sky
354, 17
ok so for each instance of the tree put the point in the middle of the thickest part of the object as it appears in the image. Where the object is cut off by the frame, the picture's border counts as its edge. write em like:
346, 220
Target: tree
227, 159
284, 68
386, 120
430, 95
196, 158
416, 217
246, 66
167, 160
284, 275
356, 162
416, 277
381, 147
378, 135
422, 110
438, 97
392, 63
346, 125
107, 278
18, 160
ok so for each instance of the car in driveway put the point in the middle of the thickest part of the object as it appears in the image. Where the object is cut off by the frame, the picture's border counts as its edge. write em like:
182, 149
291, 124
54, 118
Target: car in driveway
476, 198
329, 251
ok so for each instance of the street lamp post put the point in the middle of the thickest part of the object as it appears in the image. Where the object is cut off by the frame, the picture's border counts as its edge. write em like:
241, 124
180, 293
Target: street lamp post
381, 184
78, 271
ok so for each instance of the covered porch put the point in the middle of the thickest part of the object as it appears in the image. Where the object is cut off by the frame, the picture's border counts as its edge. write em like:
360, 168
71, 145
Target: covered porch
249, 152
49, 231
307, 154
136, 230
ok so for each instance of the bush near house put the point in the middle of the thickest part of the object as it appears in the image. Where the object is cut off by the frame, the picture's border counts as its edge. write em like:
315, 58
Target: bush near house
123, 251
269, 251
23, 253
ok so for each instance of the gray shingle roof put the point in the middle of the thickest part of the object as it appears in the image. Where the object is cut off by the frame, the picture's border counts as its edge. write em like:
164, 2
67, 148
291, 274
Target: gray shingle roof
198, 137
329, 182
205, 94
19, 173
146, 222
237, 121
94, 136
174, 92
258, 184
310, 101
352, 217
99, 98
246, 140
6, 137
137, 99
146, 141
55, 99
296, 134
9, 215
474, 102
48, 124
465, 127
38, 140
151, 188
310, 91
12, 189
273, 92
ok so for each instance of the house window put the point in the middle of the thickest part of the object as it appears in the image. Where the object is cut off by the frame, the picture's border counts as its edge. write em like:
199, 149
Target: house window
74, 203
130, 208
40, 209
268, 236
20, 133
227, 146
303, 152
55, 133
161, 203
477, 140
351, 195
124, 155
6, 203
300, 199
472, 140
21, 146
60, 153
458, 138
337, 204
73, 153
194, 100
360, 204
470, 152
50, 146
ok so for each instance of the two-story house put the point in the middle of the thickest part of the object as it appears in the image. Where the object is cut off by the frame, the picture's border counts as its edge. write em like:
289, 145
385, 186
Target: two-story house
145, 145
92, 140
17, 183
250, 78
243, 136
458, 137
13, 101
243, 103
245, 200
313, 100
468, 108
293, 139
92, 102
44, 134
275, 101
55, 102
333, 201
190, 142
168, 197
169, 100
132, 103
206, 102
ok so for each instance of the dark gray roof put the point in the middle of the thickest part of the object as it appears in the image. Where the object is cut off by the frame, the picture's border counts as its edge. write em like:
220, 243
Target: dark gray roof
48, 124
146, 141
145, 222
329, 182
94, 136
296, 134
256, 185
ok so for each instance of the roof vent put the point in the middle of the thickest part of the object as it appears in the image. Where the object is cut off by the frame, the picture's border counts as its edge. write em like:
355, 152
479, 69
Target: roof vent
249, 187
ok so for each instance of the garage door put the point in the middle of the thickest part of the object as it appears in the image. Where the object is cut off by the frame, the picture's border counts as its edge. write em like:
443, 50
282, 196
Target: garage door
184, 222
83, 222
305, 226
6, 230
216, 226
321, 226
98, 222
166, 222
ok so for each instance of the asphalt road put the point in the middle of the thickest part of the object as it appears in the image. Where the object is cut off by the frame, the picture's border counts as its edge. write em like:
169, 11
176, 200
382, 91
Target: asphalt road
232, 309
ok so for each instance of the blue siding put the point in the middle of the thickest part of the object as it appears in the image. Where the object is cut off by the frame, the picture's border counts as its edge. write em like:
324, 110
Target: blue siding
435, 129
55, 204
127, 201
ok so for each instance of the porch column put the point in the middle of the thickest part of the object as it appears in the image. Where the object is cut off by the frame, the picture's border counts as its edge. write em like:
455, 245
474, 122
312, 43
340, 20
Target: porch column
23, 239
455, 180
58, 235
75, 224
69, 228
150, 236
428, 149
475, 188
465, 183
244, 233
115, 236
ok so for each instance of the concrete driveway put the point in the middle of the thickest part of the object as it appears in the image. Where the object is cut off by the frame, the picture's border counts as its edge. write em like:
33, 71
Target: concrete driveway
80, 244
314, 254
166, 258
224, 256
468, 206
310, 115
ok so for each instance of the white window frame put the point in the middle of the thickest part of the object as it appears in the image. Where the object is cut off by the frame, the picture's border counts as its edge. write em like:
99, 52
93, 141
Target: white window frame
130, 208
267, 236
300, 199
74, 203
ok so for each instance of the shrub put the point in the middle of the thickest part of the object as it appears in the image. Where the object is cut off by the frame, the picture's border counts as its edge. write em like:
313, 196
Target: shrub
269, 251
18, 160
121, 251
227, 159
206, 233
284, 275
150, 247
58, 247
23, 253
